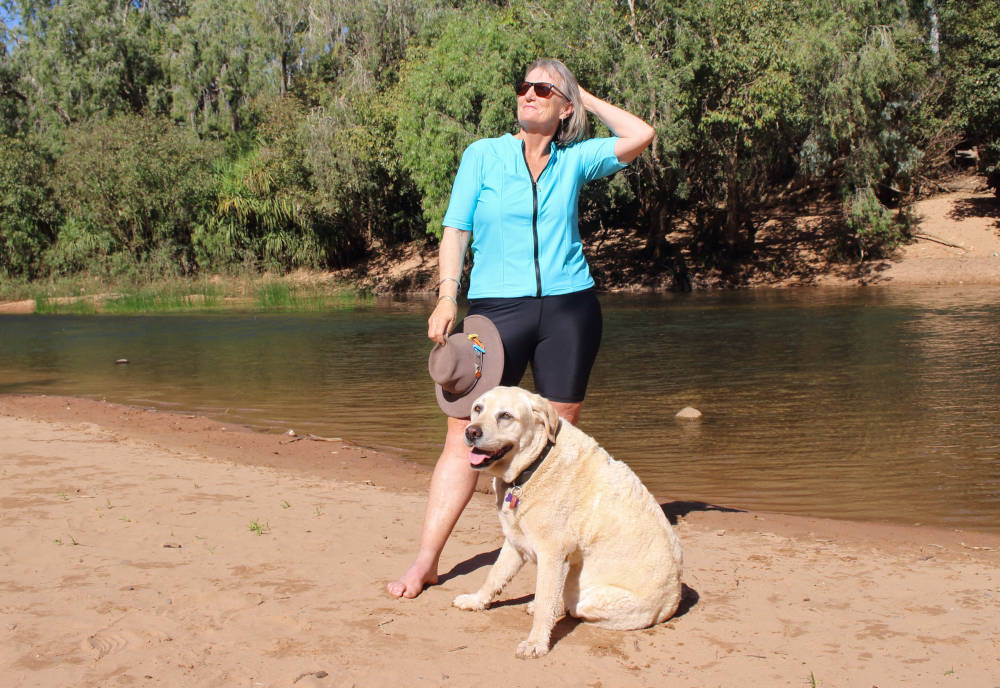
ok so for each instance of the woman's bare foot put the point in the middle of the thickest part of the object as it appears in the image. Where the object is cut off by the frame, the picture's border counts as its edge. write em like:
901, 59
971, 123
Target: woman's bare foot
412, 583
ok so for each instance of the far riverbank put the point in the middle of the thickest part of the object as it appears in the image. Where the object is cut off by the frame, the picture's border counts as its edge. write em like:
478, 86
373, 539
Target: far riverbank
956, 242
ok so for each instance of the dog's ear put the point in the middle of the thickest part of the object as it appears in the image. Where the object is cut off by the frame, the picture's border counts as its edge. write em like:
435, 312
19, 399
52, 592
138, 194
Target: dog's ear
546, 414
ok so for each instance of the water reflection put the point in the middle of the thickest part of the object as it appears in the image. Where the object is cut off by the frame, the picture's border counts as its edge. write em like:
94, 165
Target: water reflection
856, 403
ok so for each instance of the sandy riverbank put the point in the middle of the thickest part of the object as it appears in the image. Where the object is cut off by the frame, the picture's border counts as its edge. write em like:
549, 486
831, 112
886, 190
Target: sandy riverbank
144, 548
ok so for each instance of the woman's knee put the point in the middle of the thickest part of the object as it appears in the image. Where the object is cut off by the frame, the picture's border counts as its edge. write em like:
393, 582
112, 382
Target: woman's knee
454, 441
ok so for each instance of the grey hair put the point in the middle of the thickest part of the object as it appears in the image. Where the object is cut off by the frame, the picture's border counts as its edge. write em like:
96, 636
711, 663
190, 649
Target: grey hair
574, 127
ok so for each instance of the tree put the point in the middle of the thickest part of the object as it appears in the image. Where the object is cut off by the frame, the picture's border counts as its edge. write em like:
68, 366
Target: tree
76, 59
738, 94
971, 56
216, 68
873, 116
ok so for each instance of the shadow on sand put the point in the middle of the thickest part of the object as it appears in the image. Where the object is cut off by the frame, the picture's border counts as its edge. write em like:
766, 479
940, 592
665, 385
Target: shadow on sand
676, 510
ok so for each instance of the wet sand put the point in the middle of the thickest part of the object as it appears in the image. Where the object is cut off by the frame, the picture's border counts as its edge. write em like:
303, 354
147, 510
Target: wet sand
148, 548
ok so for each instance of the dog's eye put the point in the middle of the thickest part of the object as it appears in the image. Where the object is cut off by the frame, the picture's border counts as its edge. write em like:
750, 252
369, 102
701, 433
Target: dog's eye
505, 416
477, 408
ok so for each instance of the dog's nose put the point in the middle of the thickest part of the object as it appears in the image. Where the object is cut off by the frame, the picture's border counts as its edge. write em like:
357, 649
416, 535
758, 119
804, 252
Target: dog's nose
473, 433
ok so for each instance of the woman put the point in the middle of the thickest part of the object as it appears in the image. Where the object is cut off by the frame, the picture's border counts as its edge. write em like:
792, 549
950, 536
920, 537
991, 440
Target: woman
517, 196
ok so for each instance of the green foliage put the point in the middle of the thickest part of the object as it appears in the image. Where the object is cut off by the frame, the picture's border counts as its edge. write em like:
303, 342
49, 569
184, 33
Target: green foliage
321, 179
12, 101
348, 134
131, 188
77, 59
81, 246
734, 65
85, 294
28, 213
269, 213
622, 55
971, 60
258, 221
971, 56
168, 136
359, 182
216, 66
872, 116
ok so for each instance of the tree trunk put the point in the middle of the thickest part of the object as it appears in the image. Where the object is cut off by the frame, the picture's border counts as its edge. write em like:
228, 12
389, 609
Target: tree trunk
734, 205
935, 33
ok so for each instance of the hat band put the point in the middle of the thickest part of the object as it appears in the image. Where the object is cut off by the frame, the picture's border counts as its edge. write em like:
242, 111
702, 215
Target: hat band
480, 351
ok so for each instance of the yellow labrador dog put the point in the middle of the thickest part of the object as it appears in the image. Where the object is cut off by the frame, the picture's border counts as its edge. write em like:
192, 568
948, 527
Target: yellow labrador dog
604, 549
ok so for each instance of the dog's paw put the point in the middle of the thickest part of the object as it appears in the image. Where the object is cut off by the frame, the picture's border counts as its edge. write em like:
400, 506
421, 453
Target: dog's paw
470, 603
529, 649
529, 609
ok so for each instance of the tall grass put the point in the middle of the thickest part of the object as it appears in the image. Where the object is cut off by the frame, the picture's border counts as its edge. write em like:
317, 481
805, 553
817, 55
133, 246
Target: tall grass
87, 296
283, 296
65, 306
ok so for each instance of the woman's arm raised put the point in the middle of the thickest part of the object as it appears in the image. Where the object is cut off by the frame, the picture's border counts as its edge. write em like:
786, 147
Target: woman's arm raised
634, 135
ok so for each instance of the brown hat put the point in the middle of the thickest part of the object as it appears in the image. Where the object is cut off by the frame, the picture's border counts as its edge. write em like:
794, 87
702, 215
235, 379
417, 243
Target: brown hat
470, 364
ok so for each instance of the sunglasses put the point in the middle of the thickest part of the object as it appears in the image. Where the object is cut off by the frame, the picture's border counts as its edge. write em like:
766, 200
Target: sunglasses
543, 89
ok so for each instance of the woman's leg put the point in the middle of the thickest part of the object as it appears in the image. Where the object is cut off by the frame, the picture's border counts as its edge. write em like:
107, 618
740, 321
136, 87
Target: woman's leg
452, 485
568, 411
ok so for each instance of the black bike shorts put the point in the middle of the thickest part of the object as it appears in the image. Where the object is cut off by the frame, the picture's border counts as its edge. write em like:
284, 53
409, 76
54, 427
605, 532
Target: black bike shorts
559, 335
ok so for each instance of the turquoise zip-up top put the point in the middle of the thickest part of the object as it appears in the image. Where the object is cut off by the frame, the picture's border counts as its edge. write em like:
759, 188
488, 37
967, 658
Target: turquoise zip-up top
525, 233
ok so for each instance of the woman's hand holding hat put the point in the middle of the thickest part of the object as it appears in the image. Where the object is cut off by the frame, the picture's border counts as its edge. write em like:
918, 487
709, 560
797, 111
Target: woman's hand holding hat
441, 321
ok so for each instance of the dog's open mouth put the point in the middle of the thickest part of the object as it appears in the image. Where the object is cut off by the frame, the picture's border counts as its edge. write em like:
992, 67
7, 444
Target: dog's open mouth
480, 458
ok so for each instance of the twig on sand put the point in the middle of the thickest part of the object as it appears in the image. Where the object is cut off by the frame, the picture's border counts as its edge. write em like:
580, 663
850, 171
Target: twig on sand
315, 438
985, 549
938, 240
313, 674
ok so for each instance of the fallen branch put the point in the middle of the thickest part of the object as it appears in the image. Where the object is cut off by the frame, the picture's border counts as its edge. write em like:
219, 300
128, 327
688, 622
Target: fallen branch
936, 240
315, 438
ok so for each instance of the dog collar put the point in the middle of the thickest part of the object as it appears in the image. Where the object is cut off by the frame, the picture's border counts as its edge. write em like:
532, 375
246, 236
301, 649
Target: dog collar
514, 488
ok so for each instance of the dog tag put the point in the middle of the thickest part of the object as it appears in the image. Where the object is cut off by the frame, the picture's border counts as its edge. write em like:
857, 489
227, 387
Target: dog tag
512, 498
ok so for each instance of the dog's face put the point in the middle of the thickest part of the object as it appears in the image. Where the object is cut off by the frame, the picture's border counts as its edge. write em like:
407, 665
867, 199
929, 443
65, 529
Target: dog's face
508, 429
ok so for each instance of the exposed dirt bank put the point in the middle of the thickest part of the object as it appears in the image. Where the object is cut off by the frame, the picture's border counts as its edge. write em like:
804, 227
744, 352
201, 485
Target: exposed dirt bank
957, 241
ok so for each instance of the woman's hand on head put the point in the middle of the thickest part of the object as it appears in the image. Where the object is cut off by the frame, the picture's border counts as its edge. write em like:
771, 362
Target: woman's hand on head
634, 135
441, 321
587, 98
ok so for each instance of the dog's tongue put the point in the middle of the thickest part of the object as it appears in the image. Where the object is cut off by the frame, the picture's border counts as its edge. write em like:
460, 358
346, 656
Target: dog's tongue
477, 456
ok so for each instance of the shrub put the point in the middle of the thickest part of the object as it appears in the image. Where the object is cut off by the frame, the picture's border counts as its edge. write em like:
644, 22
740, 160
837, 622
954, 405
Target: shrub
28, 212
872, 227
139, 184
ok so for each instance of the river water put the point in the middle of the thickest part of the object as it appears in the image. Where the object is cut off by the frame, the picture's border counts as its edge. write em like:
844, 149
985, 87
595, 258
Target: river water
863, 403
